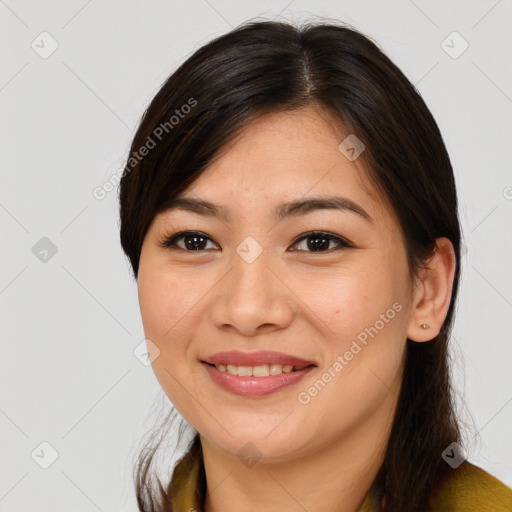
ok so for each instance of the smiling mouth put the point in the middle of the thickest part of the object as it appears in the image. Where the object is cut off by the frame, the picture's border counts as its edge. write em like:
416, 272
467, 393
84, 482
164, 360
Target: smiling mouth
264, 370
256, 381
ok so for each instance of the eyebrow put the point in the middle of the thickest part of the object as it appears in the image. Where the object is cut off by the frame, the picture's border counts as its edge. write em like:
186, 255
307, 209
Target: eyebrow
290, 209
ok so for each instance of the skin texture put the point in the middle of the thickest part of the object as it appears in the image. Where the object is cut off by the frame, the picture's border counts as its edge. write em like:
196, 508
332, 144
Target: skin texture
322, 455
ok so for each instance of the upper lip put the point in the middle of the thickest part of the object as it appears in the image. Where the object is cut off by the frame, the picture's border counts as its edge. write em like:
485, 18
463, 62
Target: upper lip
238, 358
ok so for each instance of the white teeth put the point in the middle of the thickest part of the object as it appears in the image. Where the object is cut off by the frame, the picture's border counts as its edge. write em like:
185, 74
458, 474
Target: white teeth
260, 371
276, 369
256, 371
245, 371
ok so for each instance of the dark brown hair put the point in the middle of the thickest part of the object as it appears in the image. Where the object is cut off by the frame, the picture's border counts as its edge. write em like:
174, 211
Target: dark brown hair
270, 66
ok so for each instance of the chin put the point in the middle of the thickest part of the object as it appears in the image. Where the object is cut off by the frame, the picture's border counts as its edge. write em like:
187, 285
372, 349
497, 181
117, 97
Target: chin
252, 447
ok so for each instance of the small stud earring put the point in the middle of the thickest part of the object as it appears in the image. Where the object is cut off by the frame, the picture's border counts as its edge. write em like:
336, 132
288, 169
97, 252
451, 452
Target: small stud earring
425, 326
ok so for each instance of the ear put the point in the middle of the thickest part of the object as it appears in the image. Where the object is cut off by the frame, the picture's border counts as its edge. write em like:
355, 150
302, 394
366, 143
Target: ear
432, 293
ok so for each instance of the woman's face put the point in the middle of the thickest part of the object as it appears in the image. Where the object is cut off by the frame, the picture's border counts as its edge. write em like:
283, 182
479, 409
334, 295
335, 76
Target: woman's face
260, 283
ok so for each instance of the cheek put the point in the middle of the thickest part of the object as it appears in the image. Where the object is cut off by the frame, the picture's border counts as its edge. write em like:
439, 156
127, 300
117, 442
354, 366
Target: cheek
169, 302
152, 303
364, 348
368, 319
347, 300
361, 315
165, 298
163, 302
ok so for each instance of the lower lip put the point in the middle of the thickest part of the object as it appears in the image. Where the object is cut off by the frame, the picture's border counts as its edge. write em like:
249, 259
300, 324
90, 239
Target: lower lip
255, 386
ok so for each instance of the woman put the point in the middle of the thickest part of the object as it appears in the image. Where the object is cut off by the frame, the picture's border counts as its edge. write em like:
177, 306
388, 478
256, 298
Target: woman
290, 214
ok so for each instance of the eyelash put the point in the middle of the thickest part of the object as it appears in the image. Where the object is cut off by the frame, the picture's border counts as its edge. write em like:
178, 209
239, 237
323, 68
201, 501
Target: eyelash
169, 242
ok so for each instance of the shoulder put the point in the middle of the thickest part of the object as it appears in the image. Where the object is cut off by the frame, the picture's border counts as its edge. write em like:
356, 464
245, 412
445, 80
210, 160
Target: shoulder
187, 487
469, 488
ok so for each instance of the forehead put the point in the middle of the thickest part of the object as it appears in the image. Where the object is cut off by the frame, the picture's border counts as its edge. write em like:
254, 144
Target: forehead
284, 157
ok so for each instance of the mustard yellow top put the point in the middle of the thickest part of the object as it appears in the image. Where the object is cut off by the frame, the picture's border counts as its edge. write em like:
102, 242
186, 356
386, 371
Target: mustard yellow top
467, 488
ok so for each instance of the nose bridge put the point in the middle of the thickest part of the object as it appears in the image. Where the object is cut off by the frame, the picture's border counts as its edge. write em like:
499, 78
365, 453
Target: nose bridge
250, 281
251, 295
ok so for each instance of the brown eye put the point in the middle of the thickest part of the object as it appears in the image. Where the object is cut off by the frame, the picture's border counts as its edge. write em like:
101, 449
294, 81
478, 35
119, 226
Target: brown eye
318, 241
192, 241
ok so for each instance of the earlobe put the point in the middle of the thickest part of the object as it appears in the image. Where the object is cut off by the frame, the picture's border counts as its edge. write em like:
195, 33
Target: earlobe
432, 295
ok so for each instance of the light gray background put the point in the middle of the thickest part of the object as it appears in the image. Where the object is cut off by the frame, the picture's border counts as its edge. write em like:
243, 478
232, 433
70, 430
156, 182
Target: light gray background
69, 325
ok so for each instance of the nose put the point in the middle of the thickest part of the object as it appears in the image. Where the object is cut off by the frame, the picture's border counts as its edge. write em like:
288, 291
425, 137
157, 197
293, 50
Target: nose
252, 298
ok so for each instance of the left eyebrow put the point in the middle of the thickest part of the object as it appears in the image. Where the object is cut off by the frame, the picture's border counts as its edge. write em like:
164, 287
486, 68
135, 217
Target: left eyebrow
304, 206
290, 209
